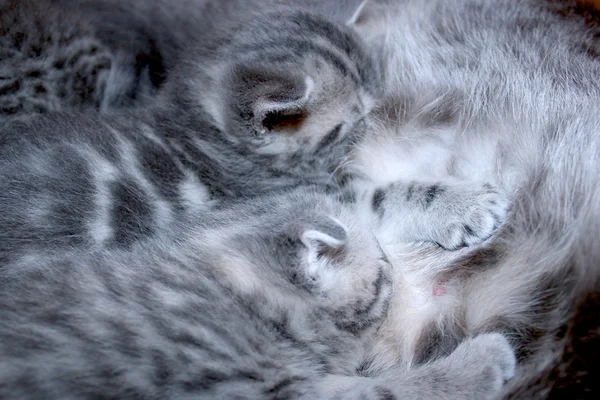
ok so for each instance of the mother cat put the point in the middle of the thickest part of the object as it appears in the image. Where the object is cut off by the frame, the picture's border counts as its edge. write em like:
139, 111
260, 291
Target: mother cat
505, 92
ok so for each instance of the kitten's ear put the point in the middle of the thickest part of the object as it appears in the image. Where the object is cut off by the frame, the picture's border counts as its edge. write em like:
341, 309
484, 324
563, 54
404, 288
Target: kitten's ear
273, 99
343, 11
324, 238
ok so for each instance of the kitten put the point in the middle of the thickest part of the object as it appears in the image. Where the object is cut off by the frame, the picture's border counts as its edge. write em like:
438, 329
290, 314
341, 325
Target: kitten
275, 104
490, 91
149, 37
231, 121
274, 298
222, 78
103, 55
483, 91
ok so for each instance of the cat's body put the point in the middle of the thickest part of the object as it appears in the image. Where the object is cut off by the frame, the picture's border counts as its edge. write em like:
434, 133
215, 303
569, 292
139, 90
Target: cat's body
150, 36
102, 55
273, 299
277, 104
504, 92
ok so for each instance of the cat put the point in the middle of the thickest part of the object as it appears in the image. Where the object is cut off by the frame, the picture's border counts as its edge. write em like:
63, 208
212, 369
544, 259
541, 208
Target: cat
50, 60
277, 297
283, 90
501, 92
102, 55
230, 122
149, 37
85, 182
213, 14
461, 77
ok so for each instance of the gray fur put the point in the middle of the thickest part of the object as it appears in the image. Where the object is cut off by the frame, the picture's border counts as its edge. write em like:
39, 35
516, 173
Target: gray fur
229, 125
471, 213
136, 44
50, 60
230, 122
277, 298
490, 91
482, 91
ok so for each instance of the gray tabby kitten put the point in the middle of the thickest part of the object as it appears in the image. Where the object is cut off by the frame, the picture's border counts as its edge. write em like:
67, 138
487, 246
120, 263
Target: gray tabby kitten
107, 54
74, 182
277, 298
286, 89
503, 92
49, 60
149, 37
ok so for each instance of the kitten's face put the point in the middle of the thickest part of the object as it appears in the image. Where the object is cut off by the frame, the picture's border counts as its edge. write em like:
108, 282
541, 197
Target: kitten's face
304, 245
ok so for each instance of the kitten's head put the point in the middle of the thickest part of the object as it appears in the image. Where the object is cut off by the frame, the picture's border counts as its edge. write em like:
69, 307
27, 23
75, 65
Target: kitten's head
293, 82
307, 245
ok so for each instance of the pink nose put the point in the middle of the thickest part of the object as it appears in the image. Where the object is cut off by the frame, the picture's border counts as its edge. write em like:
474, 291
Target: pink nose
439, 290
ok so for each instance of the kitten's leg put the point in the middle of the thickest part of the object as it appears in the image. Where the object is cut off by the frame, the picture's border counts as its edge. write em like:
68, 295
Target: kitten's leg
477, 370
452, 215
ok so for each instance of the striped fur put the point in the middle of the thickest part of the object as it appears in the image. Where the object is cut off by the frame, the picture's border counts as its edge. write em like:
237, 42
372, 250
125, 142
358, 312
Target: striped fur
227, 126
49, 60
273, 299
110, 54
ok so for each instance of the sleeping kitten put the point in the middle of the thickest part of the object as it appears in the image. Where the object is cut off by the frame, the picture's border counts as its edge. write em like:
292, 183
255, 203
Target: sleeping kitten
310, 100
65, 55
285, 89
150, 37
274, 298
275, 104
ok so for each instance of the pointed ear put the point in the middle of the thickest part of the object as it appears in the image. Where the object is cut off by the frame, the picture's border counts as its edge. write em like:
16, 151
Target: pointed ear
344, 11
324, 238
272, 99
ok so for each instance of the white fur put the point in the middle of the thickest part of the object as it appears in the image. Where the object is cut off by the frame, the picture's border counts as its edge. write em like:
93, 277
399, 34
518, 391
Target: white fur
505, 109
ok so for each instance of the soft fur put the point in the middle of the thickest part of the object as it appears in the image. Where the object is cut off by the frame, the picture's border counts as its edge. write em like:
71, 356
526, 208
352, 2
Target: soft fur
480, 92
277, 298
231, 121
503, 92
51, 60
118, 217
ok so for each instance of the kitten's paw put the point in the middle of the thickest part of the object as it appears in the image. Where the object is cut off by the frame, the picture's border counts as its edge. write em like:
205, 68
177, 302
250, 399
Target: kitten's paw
487, 361
469, 215
453, 215
489, 350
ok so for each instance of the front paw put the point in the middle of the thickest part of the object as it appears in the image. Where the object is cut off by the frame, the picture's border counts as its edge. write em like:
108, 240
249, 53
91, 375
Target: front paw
491, 354
469, 215
488, 360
